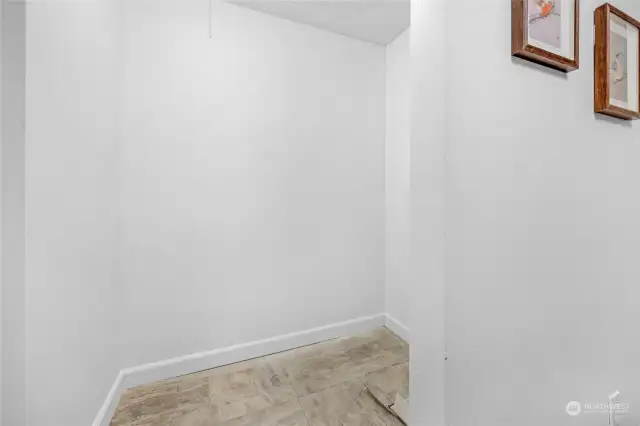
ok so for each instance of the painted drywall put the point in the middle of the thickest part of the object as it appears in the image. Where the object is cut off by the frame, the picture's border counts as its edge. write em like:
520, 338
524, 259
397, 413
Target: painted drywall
12, 210
1, 62
542, 233
397, 179
71, 206
252, 177
427, 210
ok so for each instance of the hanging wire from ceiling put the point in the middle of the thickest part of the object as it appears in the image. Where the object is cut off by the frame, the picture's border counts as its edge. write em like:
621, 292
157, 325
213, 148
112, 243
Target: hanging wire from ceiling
210, 19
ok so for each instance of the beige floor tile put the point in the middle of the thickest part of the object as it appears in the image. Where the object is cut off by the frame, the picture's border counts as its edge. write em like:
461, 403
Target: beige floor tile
239, 390
330, 406
313, 368
147, 391
386, 384
193, 393
321, 356
381, 360
348, 404
318, 367
368, 412
153, 406
145, 404
287, 414
201, 417
315, 380
297, 419
121, 417
162, 419
369, 344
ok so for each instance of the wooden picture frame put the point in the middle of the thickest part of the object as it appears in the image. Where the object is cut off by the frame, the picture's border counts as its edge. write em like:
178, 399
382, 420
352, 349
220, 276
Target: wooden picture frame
525, 46
609, 99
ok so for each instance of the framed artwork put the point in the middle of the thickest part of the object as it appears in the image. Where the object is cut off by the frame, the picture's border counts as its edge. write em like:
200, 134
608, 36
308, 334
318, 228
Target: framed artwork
547, 32
617, 64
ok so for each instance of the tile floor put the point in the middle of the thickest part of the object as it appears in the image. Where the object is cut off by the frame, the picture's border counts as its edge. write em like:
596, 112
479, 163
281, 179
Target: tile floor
318, 385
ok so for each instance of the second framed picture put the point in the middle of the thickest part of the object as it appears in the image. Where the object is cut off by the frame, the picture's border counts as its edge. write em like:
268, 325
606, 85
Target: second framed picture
546, 32
617, 63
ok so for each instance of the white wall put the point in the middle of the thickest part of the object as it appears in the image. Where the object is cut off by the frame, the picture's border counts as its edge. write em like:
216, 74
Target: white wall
1, 62
427, 210
542, 222
71, 164
12, 211
397, 179
252, 180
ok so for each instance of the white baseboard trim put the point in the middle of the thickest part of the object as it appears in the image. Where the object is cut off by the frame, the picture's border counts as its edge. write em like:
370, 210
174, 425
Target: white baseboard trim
108, 409
149, 373
397, 327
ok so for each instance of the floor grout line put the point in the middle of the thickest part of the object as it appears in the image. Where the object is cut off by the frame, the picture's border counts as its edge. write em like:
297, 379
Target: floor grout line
306, 415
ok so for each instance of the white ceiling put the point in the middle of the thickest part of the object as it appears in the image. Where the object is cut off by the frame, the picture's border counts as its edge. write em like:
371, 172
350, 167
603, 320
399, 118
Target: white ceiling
375, 21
